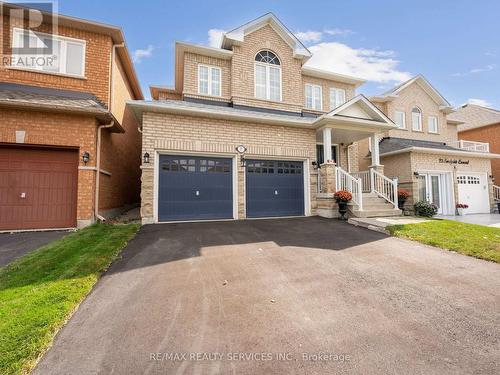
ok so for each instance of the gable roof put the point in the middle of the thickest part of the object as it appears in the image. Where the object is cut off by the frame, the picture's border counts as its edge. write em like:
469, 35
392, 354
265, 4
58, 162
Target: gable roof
444, 105
237, 35
475, 116
358, 110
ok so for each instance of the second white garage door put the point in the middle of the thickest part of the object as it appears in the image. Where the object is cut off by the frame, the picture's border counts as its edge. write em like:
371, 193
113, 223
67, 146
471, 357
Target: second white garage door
473, 190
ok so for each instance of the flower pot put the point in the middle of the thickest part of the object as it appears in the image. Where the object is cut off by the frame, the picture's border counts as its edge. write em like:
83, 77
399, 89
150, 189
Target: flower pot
461, 211
401, 203
342, 209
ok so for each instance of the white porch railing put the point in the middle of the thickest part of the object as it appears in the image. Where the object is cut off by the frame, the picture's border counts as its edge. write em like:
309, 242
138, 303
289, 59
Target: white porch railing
496, 192
384, 187
345, 181
365, 180
470, 146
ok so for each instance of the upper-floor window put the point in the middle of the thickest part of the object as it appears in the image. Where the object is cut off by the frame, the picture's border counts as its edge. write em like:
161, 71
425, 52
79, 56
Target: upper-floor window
32, 51
313, 97
209, 80
337, 98
416, 119
267, 76
400, 119
433, 124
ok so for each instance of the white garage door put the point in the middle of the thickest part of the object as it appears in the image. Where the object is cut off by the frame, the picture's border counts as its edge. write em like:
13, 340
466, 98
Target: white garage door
473, 190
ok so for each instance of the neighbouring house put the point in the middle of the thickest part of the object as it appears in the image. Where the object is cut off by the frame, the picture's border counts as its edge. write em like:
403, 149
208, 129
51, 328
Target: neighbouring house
426, 153
69, 149
250, 131
480, 129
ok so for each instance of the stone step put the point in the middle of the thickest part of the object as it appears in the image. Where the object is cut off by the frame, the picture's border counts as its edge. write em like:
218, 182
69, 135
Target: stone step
376, 213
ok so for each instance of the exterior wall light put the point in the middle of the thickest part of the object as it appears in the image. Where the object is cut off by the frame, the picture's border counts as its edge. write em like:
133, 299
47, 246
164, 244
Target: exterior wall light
240, 149
416, 174
85, 157
146, 158
315, 165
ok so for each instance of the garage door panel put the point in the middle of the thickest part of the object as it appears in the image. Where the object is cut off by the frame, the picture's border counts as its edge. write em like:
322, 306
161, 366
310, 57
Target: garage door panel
50, 188
274, 188
195, 188
473, 191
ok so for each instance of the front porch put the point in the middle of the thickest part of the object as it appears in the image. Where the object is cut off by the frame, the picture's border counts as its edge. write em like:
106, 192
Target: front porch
373, 194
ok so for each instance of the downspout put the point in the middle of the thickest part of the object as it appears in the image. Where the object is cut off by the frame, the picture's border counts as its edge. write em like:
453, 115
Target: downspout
98, 170
99, 130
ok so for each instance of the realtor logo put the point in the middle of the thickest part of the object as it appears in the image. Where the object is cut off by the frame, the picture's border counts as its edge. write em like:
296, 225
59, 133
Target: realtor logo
27, 29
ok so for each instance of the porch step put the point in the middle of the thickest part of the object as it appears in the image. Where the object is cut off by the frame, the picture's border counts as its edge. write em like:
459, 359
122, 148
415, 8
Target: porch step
374, 206
376, 213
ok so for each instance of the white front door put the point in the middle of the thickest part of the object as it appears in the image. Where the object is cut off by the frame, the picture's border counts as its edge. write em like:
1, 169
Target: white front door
473, 191
431, 189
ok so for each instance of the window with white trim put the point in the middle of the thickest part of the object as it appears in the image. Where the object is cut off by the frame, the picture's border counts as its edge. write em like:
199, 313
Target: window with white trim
416, 119
209, 80
267, 76
337, 98
433, 124
400, 119
313, 97
67, 55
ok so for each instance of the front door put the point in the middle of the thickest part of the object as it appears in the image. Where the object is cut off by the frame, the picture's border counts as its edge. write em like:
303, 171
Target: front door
430, 189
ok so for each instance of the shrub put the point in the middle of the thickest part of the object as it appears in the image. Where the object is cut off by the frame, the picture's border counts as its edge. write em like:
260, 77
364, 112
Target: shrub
462, 205
426, 209
342, 196
403, 194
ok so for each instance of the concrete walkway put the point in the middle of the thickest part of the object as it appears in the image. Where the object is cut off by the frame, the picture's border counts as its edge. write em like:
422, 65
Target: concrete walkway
490, 220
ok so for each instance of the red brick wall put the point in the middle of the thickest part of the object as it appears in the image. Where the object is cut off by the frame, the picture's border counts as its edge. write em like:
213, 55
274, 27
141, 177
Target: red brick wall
97, 62
490, 134
43, 128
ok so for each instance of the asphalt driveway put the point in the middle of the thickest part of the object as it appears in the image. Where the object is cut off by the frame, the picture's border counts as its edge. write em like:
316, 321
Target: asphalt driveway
15, 245
291, 296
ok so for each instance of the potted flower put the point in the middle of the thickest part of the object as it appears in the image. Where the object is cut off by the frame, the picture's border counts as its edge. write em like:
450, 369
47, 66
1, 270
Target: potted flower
461, 208
402, 197
425, 209
342, 197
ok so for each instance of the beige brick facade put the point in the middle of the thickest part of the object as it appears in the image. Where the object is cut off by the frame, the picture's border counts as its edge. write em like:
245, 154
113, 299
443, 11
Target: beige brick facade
194, 135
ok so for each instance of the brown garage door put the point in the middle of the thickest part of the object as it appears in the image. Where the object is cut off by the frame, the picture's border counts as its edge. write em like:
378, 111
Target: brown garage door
38, 188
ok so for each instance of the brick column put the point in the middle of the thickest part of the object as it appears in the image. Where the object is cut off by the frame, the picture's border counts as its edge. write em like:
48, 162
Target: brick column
327, 175
379, 168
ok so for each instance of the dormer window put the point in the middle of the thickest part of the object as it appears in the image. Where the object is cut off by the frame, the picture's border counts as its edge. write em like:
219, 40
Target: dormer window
209, 80
267, 76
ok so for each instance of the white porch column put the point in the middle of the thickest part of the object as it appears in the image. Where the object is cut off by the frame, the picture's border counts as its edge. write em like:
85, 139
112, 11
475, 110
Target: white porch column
375, 150
327, 145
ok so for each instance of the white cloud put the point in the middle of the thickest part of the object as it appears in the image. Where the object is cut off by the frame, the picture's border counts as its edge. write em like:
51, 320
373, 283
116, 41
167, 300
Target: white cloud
486, 68
215, 37
342, 32
140, 54
481, 102
490, 54
309, 36
370, 64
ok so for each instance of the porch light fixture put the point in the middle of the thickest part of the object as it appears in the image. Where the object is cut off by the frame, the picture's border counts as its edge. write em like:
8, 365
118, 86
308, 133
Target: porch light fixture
416, 174
315, 165
146, 158
85, 157
240, 149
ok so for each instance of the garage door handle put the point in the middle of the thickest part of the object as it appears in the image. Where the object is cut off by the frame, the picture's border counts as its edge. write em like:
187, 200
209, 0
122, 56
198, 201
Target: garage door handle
276, 192
197, 193
23, 195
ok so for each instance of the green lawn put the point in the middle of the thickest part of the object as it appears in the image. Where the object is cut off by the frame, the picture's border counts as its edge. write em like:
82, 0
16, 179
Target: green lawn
469, 239
40, 291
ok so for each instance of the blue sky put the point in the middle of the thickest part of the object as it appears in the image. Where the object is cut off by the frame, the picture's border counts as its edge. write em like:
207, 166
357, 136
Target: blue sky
455, 44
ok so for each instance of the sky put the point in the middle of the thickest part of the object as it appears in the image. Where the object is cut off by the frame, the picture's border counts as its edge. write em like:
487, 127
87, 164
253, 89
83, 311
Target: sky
454, 44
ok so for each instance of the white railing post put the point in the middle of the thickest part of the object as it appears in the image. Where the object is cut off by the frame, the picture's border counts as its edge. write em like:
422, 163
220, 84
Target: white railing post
360, 194
395, 187
372, 180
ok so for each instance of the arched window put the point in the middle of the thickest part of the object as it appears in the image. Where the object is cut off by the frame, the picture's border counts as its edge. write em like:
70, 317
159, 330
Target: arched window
267, 76
416, 119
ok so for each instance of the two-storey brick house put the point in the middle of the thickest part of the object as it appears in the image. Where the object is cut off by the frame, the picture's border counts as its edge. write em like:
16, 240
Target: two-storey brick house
69, 149
424, 151
249, 131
